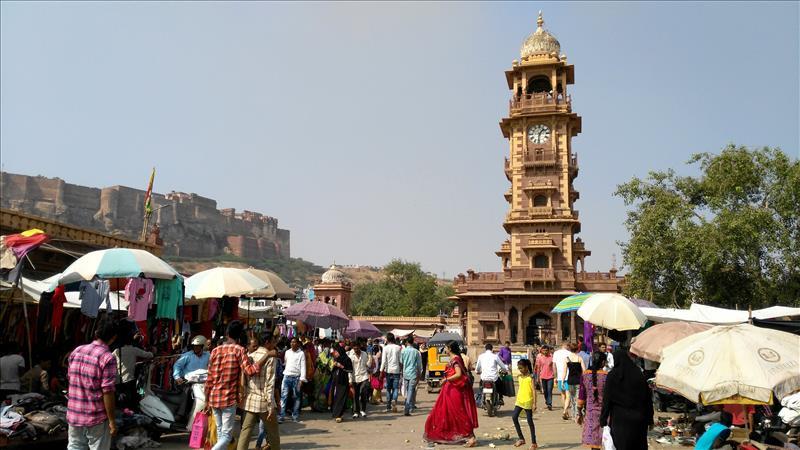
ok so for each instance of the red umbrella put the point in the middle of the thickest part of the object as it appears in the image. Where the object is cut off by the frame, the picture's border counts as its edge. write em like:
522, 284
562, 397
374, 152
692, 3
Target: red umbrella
317, 315
362, 328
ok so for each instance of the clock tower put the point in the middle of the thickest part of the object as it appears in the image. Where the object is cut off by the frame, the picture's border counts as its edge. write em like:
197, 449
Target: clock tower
541, 165
542, 260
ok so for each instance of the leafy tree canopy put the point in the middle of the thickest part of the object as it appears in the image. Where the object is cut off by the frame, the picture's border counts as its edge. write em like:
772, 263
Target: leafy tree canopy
405, 291
728, 236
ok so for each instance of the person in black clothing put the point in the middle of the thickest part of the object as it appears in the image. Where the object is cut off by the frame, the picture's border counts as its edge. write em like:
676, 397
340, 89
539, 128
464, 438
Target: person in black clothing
342, 367
627, 404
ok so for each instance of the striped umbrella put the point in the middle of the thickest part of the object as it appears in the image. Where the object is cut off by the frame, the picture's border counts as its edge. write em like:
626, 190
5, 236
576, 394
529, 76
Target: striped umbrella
572, 303
117, 263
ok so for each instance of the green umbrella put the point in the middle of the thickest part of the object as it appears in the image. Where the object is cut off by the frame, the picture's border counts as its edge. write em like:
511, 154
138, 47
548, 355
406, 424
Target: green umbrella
572, 303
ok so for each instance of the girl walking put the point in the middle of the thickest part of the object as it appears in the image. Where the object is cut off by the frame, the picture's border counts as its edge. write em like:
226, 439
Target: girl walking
526, 400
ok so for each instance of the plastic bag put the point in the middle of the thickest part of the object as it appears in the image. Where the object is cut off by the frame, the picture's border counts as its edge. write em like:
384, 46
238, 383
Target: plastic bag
199, 430
608, 442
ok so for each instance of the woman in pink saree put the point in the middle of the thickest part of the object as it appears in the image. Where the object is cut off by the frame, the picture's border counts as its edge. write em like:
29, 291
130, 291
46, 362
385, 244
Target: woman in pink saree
454, 416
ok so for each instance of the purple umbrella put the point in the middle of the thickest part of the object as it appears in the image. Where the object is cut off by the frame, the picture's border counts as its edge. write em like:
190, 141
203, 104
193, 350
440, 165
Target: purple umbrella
317, 315
643, 303
362, 328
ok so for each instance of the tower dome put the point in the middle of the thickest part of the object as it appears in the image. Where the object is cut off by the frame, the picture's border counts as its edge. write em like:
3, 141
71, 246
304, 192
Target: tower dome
541, 42
333, 275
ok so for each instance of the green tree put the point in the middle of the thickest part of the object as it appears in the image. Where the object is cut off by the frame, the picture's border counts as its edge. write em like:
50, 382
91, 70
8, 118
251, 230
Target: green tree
405, 291
729, 236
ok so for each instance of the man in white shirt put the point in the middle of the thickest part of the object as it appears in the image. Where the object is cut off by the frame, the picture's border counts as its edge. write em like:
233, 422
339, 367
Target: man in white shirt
359, 379
391, 369
488, 367
294, 375
609, 358
560, 358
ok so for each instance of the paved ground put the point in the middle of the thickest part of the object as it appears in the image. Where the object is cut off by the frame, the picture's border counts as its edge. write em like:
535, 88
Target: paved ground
394, 431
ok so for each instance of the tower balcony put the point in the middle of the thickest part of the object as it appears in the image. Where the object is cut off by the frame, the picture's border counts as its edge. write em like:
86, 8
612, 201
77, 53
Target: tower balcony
508, 195
539, 102
529, 213
505, 249
543, 158
507, 169
539, 242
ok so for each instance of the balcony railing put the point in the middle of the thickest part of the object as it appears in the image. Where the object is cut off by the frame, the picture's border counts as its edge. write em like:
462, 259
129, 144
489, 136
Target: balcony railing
540, 102
541, 211
540, 158
531, 274
543, 241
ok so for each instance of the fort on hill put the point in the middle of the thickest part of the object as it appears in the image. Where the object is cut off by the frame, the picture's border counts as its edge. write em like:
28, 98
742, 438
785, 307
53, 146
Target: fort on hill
189, 225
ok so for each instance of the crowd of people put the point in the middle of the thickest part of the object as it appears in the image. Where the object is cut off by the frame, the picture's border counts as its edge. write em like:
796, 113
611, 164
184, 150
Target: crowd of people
262, 376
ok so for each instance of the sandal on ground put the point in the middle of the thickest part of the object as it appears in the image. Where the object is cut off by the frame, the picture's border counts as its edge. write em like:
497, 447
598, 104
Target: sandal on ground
473, 442
533, 446
519, 443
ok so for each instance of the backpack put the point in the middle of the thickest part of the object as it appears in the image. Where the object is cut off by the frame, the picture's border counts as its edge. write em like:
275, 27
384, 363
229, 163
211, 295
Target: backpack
574, 371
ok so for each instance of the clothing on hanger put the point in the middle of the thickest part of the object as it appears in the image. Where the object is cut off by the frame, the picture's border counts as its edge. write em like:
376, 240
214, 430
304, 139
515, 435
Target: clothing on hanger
139, 294
169, 294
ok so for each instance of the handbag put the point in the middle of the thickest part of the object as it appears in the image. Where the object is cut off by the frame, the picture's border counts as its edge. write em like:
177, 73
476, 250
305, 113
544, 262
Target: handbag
608, 441
199, 430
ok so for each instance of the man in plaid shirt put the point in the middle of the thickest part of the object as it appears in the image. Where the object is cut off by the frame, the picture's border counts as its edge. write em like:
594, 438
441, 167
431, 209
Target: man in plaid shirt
90, 404
260, 402
225, 367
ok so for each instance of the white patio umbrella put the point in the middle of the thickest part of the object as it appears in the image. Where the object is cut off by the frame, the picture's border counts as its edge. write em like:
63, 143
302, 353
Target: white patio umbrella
221, 282
732, 364
612, 311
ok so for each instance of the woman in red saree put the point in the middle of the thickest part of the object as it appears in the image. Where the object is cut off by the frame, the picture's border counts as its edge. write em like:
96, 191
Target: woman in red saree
454, 416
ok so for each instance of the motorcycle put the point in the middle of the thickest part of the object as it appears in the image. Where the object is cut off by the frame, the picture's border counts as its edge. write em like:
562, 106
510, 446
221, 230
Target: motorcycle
162, 406
492, 400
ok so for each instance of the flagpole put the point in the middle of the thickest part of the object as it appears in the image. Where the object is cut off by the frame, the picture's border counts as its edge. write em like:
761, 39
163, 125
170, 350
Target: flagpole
148, 209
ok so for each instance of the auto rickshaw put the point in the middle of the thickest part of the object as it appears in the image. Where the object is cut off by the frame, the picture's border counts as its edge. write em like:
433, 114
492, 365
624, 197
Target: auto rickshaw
438, 358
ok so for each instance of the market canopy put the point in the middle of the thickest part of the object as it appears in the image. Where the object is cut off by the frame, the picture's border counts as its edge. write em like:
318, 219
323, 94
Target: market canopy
732, 364
612, 311
222, 282
317, 315
716, 316
361, 329
572, 303
400, 333
276, 287
33, 290
117, 263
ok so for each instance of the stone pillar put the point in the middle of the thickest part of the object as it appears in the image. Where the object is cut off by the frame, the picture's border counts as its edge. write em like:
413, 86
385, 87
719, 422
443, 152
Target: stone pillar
506, 334
572, 332
558, 329
520, 329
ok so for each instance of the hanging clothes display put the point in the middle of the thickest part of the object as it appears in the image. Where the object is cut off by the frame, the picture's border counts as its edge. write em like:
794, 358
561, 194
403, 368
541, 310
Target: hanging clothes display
92, 295
169, 294
139, 294
57, 302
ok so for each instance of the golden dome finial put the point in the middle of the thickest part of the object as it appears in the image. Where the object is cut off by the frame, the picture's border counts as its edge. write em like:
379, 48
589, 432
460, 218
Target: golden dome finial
540, 20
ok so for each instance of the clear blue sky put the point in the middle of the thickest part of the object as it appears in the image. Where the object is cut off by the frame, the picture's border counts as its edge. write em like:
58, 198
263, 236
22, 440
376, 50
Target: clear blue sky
370, 130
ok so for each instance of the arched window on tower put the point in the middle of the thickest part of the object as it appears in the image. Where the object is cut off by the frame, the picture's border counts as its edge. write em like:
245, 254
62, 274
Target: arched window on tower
539, 84
540, 200
541, 262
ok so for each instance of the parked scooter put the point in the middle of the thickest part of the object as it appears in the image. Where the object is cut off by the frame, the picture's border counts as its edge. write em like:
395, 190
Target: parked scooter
162, 406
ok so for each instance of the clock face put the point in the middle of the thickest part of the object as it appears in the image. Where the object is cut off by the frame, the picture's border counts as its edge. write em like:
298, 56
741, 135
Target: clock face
538, 134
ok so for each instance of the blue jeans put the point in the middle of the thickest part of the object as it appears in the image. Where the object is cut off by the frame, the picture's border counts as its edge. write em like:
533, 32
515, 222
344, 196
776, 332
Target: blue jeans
97, 437
290, 383
262, 434
547, 387
410, 386
224, 418
392, 388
